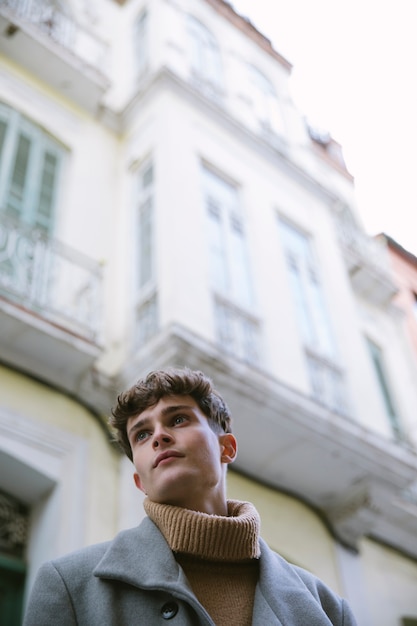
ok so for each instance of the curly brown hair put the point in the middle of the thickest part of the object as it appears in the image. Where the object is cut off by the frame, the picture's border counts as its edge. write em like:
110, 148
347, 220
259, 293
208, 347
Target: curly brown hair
169, 382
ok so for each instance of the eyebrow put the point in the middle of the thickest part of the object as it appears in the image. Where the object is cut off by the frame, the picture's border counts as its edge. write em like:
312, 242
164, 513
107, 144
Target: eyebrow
168, 410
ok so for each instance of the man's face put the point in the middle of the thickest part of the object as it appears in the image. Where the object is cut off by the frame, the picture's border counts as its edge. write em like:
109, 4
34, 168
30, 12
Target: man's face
179, 459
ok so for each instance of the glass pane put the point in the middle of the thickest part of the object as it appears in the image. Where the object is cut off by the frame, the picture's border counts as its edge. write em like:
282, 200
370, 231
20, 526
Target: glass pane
30, 164
324, 341
303, 317
145, 243
229, 261
376, 355
205, 54
15, 198
47, 190
240, 268
141, 43
265, 102
145, 258
308, 296
147, 178
218, 264
295, 242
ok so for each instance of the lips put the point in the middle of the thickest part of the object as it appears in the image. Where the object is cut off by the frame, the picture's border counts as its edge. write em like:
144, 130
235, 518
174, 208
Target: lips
166, 455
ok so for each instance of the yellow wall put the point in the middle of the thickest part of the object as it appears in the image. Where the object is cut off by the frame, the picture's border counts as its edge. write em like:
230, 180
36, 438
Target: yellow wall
40, 404
290, 527
391, 583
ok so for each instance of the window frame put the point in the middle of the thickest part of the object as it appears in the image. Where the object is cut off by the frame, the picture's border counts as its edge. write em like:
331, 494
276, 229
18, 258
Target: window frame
227, 223
32, 188
145, 220
310, 301
265, 102
204, 48
383, 379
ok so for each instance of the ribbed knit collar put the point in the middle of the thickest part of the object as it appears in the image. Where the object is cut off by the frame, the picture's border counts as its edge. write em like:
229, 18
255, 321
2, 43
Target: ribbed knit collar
215, 537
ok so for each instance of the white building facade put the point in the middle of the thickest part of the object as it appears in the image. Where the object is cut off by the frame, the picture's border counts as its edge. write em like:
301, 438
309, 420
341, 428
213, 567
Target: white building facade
162, 202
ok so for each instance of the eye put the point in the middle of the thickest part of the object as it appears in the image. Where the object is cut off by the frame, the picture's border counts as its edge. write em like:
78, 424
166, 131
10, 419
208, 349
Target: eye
141, 435
178, 419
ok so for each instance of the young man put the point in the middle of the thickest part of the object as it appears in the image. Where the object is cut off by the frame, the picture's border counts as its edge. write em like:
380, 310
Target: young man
197, 558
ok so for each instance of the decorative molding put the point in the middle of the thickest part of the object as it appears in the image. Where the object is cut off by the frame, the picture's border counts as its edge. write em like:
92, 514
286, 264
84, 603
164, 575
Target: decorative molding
14, 519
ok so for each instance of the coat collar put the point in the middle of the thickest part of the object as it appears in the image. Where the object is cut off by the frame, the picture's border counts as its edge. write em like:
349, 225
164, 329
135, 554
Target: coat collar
138, 556
141, 557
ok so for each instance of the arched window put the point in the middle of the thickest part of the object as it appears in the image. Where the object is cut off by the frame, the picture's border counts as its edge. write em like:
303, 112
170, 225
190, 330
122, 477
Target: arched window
30, 165
265, 102
205, 54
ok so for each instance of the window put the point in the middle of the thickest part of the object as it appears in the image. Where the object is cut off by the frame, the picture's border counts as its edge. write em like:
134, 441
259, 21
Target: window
326, 379
30, 166
384, 387
147, 310
145, 227
205, 55
229, 263
140, 42
307, 293
237, 330
265, 103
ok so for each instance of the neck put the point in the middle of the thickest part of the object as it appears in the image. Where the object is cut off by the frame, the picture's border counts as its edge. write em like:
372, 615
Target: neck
213, 506
231, 537
212, 502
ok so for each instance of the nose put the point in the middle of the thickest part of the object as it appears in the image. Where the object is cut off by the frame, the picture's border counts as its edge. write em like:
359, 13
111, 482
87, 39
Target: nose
161, 437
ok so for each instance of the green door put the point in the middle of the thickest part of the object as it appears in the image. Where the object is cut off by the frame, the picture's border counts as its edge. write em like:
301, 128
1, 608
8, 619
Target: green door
12, 579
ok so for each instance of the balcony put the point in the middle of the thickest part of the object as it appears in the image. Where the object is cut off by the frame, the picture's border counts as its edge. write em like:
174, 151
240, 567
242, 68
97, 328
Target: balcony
54, 47
49, 304
366, 260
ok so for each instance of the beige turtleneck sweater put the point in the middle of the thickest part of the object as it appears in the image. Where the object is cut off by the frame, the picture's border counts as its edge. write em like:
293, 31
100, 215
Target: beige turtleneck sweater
219, 555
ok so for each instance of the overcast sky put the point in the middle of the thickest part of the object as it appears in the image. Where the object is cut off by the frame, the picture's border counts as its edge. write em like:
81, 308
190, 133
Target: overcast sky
355, 75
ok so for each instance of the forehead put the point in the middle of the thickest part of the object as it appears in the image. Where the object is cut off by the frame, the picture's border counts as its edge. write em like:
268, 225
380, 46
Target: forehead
172, 401
166, 406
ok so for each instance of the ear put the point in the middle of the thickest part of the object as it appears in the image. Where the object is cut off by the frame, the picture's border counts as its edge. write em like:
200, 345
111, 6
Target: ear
228, 448
138, 482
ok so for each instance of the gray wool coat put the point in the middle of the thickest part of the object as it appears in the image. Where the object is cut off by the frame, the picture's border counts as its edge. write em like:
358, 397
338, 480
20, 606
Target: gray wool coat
135, 580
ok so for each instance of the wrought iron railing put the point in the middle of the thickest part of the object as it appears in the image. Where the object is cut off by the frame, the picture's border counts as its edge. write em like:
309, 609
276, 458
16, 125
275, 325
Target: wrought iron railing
51, 20
49, 278
327, 384
237, 332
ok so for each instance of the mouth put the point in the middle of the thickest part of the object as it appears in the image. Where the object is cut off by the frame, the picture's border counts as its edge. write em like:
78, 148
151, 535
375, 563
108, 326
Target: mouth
165, 456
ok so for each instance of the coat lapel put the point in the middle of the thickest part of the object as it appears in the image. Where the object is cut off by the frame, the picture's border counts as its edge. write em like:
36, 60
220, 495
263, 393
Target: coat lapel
281, 596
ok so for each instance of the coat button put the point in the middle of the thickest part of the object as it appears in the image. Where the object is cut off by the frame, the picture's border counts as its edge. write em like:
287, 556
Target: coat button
169, 610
